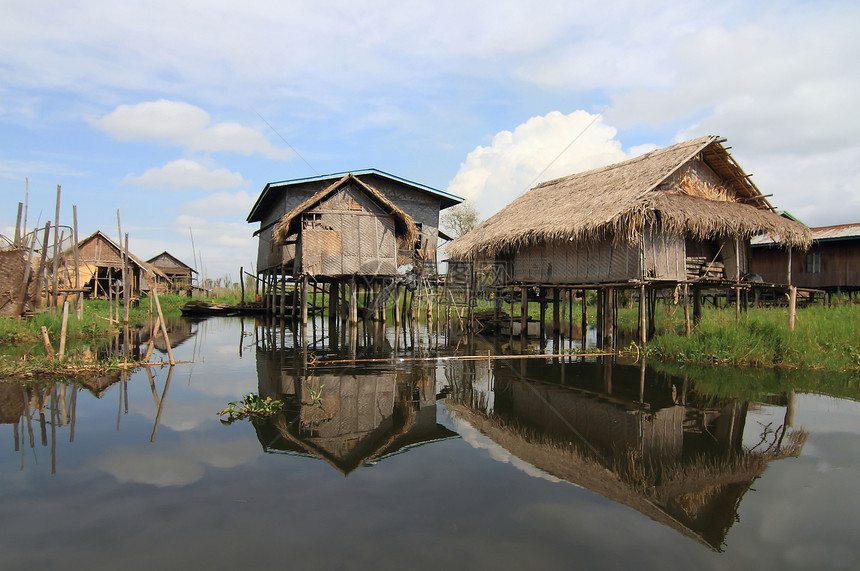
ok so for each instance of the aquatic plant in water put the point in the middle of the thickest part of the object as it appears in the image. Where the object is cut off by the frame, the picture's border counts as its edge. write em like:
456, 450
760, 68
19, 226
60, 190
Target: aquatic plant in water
251, 407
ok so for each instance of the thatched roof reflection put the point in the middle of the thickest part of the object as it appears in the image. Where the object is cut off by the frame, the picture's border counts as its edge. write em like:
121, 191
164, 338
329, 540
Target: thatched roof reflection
647, 457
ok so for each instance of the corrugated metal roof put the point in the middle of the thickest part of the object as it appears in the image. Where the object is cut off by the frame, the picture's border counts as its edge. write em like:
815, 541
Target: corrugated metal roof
446, 198
820, 234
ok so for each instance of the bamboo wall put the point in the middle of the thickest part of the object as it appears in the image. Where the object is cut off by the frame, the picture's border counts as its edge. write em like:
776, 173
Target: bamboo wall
348, 234
576, 263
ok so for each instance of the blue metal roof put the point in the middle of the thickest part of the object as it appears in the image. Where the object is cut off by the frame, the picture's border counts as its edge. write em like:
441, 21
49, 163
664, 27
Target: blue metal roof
446, 198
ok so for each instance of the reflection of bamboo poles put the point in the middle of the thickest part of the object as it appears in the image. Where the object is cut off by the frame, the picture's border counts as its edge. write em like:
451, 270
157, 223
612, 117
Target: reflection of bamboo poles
159, 402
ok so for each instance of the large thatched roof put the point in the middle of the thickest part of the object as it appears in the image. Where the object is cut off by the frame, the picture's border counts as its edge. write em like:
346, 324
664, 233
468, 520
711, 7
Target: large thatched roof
404, 226
619, 199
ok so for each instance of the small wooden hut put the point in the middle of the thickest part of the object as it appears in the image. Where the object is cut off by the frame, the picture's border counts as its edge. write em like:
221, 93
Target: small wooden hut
179, 274
338, 227
831, 264
681, 214
101, 260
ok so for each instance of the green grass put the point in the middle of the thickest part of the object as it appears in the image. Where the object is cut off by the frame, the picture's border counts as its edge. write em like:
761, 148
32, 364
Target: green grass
92, 322
824, 338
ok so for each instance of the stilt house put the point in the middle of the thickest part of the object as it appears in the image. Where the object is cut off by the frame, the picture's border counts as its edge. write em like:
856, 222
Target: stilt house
179, 274
364, 223
685, 212
831, 264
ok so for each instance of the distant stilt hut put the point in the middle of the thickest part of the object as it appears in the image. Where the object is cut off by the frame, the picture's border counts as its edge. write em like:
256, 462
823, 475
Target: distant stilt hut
179, 274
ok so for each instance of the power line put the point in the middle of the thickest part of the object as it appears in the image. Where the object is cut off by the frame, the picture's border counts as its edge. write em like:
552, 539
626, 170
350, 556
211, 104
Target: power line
558, 156
287, 143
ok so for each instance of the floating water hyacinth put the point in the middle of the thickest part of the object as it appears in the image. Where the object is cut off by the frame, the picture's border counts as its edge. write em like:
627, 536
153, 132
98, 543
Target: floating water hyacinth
251, 406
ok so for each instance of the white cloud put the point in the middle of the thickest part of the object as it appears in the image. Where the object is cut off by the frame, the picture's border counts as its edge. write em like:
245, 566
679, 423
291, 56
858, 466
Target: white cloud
174, 464
783, 91
534, 152
220, 204
185, 174
184, 125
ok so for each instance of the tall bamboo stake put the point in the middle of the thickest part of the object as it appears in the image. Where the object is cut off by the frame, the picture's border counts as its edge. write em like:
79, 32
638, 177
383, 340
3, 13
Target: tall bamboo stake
79, 306
56, 250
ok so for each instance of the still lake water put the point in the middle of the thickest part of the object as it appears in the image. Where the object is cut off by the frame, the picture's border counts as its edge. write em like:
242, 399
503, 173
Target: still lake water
421, 464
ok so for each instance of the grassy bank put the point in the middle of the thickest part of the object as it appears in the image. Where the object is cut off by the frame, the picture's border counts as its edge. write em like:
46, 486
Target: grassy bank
93, 322
824, 338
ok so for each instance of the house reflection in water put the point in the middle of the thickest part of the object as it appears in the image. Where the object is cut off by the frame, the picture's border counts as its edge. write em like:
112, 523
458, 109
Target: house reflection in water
652, 444
350, 418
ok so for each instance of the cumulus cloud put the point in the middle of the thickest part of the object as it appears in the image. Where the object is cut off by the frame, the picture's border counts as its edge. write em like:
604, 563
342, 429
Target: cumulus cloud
184, 125
176, 464
184, 174
540, 149
782, 91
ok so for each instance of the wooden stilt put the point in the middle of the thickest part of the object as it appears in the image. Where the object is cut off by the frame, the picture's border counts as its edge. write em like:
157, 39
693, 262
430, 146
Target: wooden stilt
524, 312
304, 307
353, 306
792, 306
643, 332
687, 327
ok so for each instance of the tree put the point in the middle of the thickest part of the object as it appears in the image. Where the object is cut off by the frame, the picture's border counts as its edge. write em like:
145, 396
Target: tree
460, 219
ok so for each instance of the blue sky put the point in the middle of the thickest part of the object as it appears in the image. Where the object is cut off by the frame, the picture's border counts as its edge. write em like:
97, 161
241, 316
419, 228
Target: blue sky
160, 109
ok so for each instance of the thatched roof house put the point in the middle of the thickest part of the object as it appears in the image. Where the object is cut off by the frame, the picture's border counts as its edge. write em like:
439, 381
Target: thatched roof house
644, 218
352, 223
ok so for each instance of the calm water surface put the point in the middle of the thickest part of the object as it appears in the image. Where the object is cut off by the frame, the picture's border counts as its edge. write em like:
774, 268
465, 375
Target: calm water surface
502, 464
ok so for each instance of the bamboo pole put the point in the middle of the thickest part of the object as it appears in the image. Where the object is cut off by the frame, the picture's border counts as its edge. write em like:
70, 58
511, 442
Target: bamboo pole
47, 342
17, 241
687, 327
56, 250
129, 274
792, 306
63, 330
163, 328
643, 335
79, 305
42, 262
22, 297
483, 357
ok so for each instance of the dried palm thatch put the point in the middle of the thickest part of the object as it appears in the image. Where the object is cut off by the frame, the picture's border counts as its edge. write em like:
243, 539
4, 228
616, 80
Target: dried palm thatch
699, 188
404, 226
620, 200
